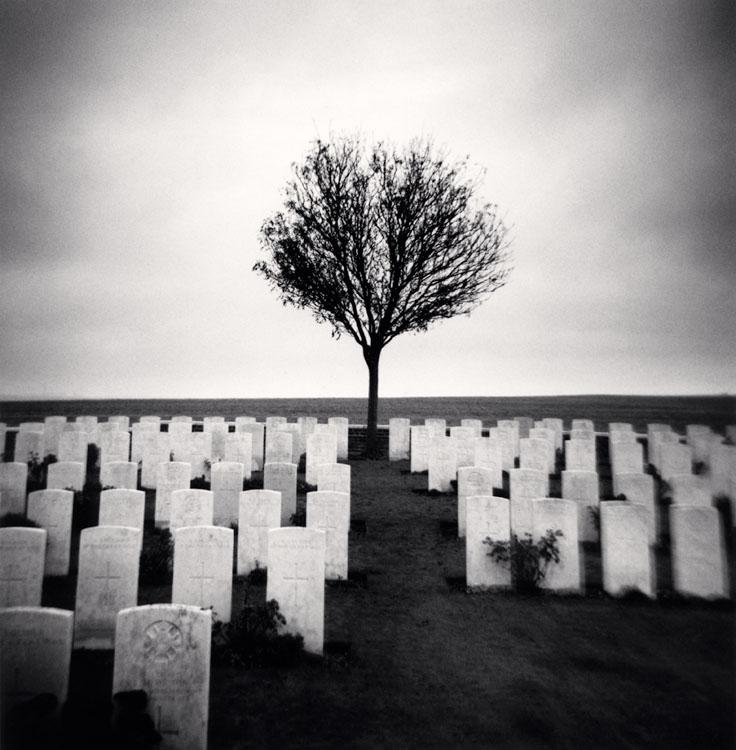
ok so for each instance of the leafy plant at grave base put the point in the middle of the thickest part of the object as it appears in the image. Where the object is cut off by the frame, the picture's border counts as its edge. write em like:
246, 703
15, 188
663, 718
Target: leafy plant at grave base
528, 561
252, 638
258, 576
302, 487
157, 555
17, 519
299, 517
38, 470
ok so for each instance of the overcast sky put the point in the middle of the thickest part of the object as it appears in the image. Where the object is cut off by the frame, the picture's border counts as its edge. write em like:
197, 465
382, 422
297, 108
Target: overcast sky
144, 143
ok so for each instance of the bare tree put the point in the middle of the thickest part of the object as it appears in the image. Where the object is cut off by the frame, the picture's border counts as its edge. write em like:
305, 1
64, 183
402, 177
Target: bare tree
378, 242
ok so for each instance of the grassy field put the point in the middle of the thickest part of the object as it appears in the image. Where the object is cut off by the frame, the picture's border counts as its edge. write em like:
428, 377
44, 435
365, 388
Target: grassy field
413, 661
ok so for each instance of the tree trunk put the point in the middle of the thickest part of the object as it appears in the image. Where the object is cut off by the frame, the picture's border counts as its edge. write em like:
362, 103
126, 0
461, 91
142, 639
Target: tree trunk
371, 356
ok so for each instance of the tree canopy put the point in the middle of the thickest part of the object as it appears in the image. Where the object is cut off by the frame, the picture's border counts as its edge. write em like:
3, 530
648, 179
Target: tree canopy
382, 241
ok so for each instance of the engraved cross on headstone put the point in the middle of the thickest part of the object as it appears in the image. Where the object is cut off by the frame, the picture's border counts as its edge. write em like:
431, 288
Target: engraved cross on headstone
108, 597
328, 523
202, 578
296, 578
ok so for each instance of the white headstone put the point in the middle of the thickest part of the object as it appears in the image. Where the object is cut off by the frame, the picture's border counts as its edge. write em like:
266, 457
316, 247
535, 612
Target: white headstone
35, 653
155, 449
122, 475
342, 425
552, 514
442, 464
471, 480
282, 478
698, 552
190, 508
655, 446
549, 436
398, 439
321, 449
180, 441
333, 478
136, 442
298, 445
675, 459
464, 438
123, 508
218, 430
120, 419
164, 649
639, 489
260, 511
626, 556
420, 441
582, 435
506, 439
626, 458
486, 516
201, 454
330, 512
525, 485
489, 455
22, 553
582, 424
31, 427
296, 579
437, 427
475, 424
227, 484
52, 510
181, 418
556, 425
13, 480
28, 445
203, 569
107, 582
279, 447
256, 431
114, 446
53, 427
65, 474
583, 488
690, 489
534, 453
73, 447
620, 427
150, 419
580, 455
239, 449
722, 468
244, 420
512, 426
171, 475
525, 424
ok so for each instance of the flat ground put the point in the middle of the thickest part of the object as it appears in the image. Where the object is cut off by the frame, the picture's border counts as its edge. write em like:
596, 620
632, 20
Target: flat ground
413, 661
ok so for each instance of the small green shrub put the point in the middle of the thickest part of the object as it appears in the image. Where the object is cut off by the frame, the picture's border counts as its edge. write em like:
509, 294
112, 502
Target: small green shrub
299, 517
38, 470
252, 637
258, 576
253, 482
157, 556
527, 560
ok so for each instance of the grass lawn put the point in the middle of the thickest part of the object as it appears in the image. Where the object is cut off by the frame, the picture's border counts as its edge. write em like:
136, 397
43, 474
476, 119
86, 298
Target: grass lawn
413, 661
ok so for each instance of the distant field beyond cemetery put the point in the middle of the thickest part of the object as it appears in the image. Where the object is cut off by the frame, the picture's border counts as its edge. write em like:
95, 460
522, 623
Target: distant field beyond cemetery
715, 411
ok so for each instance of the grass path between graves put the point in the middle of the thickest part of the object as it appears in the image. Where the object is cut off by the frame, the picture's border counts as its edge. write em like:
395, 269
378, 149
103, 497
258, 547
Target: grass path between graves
415, 662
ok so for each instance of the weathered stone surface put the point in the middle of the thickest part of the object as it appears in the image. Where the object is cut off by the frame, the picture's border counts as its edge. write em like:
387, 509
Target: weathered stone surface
639, 489
525, 485
13, 480
330, 512
27, 446
164, 649
583, 488
296, 579
122, 475
73, 447
155, 449
580, 455
675, 459
698, 552
626, 458
239, 449
471, 480
203, 569
191, 508
260, 511
464, 438
486, 516
321, 449
553, 514
506, 440
475, 424
52, 429
525, 424
512, 426
52, 511
420, 441
123, 508
65, 474
655, 446
333, 478
218, 430
489, 455
256, 431
201, 454
534, 453
582, 424
22, 554
437, 427
35, 653
626, 556
151, 419
227, 484
342, 426
107, 582
114, 445
690, 489
442, 464
279, 447
282, 478
549, 436
170, 476
556, 425
398, 439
